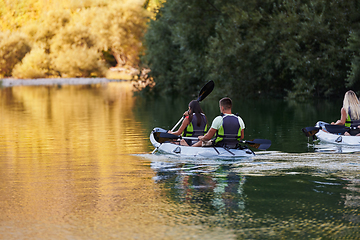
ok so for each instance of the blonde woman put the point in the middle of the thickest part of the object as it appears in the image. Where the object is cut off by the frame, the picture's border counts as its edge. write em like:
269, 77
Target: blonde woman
350, 113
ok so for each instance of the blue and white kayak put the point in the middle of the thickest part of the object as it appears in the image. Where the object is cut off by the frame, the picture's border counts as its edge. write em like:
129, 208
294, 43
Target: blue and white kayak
170, 147
324, 134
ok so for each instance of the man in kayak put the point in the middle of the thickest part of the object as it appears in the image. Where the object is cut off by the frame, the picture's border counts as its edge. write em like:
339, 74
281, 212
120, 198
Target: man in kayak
227, 128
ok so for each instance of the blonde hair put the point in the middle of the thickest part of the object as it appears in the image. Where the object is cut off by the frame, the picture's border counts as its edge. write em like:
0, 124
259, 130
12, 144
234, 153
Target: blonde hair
352, 103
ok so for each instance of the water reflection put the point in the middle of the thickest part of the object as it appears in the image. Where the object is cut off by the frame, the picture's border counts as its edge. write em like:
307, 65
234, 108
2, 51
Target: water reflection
73, 120
75, 164
250, 204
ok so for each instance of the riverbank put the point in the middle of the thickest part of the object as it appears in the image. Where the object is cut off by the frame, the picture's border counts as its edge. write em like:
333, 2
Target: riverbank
10, 82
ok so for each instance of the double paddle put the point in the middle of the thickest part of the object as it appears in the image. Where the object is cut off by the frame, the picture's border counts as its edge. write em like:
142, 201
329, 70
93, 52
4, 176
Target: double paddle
337, 129
261, 144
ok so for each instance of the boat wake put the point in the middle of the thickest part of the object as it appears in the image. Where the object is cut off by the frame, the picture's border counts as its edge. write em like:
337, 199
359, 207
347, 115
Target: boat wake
323, 161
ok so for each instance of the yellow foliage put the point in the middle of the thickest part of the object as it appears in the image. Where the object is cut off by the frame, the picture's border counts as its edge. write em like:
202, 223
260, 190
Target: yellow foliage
73, 36
79, 62
13, 47
116, 26
35, 64
120, 28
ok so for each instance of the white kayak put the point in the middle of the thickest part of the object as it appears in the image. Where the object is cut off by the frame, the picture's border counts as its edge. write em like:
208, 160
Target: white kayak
187, 151
335, 138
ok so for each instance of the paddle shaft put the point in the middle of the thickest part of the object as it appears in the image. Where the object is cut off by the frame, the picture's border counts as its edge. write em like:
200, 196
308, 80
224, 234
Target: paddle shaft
177, 123
261, 144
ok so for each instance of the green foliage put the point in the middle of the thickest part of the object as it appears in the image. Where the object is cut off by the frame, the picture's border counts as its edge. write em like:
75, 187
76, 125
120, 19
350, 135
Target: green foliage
35, 64
353, 80
176, 44
13, 47
252, 48
294, 47
354, 45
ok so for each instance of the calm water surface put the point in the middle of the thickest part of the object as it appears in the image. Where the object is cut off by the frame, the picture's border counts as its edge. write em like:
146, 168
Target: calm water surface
76, 163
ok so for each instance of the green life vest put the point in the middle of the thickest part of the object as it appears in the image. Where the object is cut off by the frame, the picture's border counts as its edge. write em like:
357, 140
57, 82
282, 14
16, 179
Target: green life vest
193, 130
349, 122
229, 133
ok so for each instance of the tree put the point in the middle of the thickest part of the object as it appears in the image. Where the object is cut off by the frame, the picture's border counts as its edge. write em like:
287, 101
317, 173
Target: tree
36, 64
252, 48
176, 44
13, 47
120, 28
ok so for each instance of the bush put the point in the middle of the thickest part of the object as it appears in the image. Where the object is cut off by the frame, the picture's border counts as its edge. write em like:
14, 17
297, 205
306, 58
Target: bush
79, 62
13, 47
50, 25
35, 64
73, 36
120, 28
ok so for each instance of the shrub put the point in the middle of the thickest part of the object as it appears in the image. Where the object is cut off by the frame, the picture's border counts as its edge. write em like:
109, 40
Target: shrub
13, 47
35, 64
120, 28
50, 24
73, 36
79, 62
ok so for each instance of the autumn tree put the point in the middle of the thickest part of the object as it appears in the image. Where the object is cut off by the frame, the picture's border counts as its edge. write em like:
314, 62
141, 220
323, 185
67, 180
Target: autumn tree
13, 47
120, 28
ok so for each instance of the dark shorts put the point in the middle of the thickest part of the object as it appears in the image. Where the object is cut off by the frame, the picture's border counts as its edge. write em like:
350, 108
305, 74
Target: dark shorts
189, 142
354, 132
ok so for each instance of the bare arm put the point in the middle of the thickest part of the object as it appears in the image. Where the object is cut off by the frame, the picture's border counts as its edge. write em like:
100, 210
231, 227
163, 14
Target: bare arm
342, 119
208, 135
182, 127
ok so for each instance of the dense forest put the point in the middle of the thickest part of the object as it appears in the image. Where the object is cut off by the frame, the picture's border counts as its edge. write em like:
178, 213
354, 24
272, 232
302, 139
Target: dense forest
298, 48
268, 48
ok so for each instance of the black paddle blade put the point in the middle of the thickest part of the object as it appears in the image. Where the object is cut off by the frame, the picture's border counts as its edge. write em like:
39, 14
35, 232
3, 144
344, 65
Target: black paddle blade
338, 129
168, 135
206, 90
162, 137
310, 131
261, 144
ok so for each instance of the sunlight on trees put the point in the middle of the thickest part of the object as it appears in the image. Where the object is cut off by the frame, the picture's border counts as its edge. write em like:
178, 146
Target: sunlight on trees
13, 47
120, 28
60, 28
35, 64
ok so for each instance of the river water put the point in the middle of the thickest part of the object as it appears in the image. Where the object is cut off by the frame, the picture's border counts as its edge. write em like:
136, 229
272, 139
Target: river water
76, 163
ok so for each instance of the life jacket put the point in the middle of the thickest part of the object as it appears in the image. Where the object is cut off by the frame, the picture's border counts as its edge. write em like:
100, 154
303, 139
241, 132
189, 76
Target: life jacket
229, 134
349, 122
193, 130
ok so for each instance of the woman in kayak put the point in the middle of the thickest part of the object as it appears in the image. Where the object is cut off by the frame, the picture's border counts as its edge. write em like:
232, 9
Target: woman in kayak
350, 114
194, 124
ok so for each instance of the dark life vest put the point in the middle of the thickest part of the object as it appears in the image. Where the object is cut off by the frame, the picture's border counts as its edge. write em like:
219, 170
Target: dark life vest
229, 134
193, 130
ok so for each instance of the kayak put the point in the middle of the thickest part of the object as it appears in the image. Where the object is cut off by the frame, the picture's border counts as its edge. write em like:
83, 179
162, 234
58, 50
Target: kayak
335, 138
169, 147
